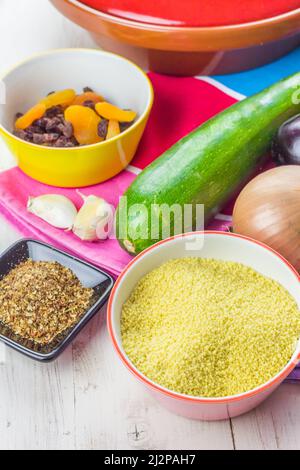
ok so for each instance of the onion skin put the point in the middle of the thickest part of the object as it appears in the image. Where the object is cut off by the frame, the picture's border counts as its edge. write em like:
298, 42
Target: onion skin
268, 210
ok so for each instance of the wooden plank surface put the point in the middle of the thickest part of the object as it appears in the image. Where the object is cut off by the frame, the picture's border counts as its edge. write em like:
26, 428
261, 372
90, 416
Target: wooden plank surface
87, 400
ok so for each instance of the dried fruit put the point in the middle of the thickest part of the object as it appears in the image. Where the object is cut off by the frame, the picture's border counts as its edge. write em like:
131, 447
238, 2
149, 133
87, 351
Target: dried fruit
55, 111
87, 89
65, 142
113, 129
32, 115
59, 125
103, 128
85, 124
45, 139
111, 112
62, 119
59, 98
89, 104
124, 126
87, 96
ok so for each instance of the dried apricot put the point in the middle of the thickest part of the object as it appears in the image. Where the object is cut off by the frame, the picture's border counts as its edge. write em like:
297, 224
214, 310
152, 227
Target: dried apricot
59, 98
85, 124
87, 96
113, 129
32, 115
111, 112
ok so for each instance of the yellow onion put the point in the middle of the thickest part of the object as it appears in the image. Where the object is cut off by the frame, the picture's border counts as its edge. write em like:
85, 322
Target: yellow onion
268, 210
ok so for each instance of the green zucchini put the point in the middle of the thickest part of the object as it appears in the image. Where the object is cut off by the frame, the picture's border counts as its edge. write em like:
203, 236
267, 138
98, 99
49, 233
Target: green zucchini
207, 166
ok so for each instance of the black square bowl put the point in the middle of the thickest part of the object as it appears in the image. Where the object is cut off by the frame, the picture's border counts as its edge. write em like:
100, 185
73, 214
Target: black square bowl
88, 275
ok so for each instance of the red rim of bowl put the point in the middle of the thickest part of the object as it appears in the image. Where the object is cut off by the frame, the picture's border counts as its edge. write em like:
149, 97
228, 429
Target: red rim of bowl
180, 38
169, 393
137, 23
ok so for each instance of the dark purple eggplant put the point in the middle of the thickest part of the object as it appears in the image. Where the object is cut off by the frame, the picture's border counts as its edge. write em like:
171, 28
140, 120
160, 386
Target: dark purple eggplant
286, 144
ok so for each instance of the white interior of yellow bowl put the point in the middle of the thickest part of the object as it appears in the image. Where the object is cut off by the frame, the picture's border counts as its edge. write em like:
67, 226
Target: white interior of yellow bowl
118, 80
219, 246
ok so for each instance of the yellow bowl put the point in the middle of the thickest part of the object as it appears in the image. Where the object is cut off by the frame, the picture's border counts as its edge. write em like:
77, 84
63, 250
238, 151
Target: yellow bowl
116, 78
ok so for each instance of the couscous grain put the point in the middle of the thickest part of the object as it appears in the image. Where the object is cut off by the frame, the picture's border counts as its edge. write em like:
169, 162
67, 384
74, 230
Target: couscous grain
209, 328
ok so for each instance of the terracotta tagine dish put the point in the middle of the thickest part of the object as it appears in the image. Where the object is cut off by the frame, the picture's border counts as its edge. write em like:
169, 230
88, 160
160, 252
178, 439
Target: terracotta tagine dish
191, 37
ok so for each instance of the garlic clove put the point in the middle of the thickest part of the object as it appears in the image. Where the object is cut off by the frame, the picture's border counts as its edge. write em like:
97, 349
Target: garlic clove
85, 222
93, 217
106, 215
54, 209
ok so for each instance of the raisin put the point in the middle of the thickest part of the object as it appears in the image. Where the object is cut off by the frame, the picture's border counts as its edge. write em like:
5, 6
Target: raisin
87, 96
67, 129
124, 126
23, 135
87, 89
64, 142
41, 123
54, 111
34, 129
38, 139
53, 125
89, 104
45, 139
102, 128
28, 135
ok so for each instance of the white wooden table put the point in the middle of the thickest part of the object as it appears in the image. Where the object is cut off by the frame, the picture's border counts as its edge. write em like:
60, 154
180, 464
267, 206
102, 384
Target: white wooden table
86, 399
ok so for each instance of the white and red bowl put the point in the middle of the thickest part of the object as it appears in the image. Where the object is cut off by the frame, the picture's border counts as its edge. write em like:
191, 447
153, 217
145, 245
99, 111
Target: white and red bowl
222, 246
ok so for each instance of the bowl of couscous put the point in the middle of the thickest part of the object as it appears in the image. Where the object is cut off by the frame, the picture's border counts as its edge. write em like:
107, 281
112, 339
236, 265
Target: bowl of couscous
208, 321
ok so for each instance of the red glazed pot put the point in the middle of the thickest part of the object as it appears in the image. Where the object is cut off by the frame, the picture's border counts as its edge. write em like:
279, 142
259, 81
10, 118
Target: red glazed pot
194, 12
191, 50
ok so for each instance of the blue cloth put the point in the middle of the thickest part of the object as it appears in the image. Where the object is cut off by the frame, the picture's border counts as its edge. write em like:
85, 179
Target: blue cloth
253, 81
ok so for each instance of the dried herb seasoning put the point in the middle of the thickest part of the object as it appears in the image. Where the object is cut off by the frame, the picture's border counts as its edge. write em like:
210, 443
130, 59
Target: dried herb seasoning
39, 300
